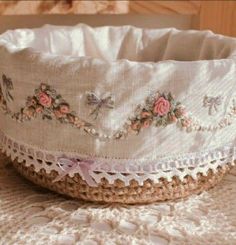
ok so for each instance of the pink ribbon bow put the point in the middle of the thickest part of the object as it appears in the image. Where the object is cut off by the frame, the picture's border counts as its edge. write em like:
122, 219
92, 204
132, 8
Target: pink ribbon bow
83, 166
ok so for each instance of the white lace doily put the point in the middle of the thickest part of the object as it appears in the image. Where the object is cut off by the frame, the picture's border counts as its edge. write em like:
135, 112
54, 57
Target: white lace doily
32, 215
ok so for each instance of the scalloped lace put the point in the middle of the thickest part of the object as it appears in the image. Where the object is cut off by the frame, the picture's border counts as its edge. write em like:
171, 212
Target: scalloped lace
190, 164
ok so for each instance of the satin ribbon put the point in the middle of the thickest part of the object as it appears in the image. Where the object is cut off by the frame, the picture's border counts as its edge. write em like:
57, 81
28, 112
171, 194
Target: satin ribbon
82, 166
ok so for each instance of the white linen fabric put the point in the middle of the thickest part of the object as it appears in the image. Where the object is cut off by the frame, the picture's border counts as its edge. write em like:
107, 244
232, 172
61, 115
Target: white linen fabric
129, 64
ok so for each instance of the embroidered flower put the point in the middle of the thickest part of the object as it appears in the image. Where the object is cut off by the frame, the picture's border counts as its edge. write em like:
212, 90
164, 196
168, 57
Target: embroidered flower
135, 126
147, 123
78, 123
64, 108
39, 109
186, 122
160, 110
44, 99
172, 117
180, 111
45, 102
29, 112
58, 113
146, 114
161, 106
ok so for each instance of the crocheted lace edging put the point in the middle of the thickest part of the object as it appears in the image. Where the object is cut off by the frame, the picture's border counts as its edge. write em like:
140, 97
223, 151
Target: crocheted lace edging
42, 159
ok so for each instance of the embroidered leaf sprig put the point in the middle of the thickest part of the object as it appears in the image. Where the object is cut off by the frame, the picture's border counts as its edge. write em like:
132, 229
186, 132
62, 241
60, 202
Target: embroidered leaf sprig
7, 87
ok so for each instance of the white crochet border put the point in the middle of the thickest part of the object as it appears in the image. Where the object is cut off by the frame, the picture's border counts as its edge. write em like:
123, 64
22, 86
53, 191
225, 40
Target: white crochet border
117, 169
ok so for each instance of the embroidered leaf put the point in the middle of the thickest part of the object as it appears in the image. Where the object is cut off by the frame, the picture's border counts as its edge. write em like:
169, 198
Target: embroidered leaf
47, 117
10, 96
8, 85
36, 91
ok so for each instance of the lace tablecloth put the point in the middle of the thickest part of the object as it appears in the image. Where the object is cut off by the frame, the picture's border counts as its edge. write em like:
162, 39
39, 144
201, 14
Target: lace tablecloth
32, 215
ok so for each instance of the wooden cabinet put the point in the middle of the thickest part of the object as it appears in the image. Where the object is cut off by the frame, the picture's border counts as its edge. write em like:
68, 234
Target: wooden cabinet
218, 16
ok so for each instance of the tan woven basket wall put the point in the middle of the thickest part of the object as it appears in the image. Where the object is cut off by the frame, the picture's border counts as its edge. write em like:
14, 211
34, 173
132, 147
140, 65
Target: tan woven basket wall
118, 192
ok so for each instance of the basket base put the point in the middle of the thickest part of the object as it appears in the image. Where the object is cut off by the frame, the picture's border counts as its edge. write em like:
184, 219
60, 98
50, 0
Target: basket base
150, 192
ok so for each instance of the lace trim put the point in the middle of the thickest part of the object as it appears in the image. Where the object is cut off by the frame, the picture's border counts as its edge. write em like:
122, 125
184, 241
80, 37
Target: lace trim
49, 161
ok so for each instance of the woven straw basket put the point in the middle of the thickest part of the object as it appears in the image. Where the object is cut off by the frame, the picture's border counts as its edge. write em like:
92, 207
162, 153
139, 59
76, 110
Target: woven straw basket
118, 114
133, 194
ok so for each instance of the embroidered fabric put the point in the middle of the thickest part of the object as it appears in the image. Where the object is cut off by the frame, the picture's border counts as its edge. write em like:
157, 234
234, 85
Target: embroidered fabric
130, 74
51, 79
32, 215
123, 170
160, 110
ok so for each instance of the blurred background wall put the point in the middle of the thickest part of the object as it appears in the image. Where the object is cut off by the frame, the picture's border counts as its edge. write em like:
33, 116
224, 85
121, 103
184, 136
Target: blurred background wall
152, 21
218, 16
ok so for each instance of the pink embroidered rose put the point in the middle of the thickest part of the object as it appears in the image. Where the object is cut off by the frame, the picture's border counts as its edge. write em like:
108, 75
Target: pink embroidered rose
39, 109
64, 108
45, 100
58, 114
135, 126
172, 118
147, 123
29, 111
145, 114
161, 106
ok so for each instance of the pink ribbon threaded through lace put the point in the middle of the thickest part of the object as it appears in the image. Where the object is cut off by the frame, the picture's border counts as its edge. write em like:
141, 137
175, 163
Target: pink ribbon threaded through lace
82, 166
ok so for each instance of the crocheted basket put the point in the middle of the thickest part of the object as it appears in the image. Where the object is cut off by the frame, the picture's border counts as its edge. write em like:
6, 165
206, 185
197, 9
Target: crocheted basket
118, 114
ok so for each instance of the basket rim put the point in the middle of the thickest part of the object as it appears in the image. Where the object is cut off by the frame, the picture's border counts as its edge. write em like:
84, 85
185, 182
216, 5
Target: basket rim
15, 50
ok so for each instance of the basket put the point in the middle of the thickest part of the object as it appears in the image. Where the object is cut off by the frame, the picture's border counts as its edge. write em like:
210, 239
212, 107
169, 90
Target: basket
118, 114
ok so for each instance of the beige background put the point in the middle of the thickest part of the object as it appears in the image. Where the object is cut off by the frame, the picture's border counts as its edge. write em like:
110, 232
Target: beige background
218, 16
151, 21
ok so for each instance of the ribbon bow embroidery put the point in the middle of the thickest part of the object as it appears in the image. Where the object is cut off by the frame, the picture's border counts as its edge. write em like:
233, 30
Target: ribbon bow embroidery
106, 102
82, 166
212, 103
